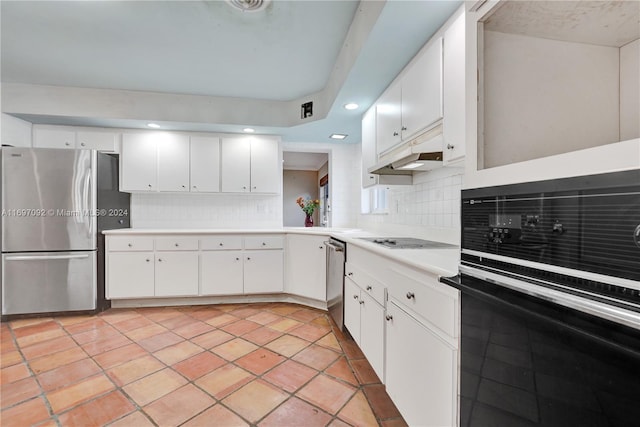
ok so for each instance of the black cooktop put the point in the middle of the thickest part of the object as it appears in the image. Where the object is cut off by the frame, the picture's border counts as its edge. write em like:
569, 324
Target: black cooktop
407, 243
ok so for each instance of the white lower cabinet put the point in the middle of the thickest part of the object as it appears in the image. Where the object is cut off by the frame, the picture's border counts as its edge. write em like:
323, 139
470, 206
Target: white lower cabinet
364, 318
306, 266
263, 271
176, 274
421, 371
130, 275
221, 273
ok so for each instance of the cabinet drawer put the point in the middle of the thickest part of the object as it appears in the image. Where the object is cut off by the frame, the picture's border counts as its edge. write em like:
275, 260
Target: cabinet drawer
126, 243
437, 306
215, 243
366, 282
264, 242
176, 244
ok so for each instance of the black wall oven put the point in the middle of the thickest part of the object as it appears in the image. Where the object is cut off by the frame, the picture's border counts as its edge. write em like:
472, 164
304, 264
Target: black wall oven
550, 285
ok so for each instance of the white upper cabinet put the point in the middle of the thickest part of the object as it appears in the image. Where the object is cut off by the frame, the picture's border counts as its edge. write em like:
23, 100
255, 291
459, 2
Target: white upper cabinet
173, 162
107, 142
388, 118
265, 165
68, 137
235, 165
454, 91
422, 91
138, 162
413, 101
205, 164
369, 157
250, 164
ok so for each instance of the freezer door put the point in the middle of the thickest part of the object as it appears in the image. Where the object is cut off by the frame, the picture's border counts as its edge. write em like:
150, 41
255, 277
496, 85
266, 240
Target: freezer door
48, 282
48, 199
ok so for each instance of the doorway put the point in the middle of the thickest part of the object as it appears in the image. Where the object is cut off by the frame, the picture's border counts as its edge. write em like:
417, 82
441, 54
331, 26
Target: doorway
302, 174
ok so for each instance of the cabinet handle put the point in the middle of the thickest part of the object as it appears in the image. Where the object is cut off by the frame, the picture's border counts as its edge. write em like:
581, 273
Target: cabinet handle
355, 297
184, 186
130, 245
248, 258
255, 187
244, 188
395, 134
82, 144
361, 302
149, 185
411, 295
195, 186
67, 144
177, 245
221, 244
320, 247
148, 260
372, 177
350, 274
237, 259
450, 147
159, 259
264, 244
369, 288
403, 128
388, 317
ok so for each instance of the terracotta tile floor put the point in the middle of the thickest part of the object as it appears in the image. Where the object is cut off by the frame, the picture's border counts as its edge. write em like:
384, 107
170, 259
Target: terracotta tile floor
223, 365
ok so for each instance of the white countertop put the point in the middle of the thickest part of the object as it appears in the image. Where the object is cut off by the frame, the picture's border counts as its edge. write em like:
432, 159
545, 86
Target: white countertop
443, 262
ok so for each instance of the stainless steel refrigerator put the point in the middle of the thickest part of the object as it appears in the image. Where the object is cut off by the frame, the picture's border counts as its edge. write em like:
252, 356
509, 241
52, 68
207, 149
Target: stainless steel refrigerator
51, 220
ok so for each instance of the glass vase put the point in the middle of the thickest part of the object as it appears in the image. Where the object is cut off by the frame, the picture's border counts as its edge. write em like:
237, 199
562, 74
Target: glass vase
308, 221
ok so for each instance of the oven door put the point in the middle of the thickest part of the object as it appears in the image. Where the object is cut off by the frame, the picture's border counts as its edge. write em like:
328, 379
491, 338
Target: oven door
529, 362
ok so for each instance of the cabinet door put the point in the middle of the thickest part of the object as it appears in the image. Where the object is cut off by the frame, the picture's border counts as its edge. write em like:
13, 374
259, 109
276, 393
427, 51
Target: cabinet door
265, 165
388, 123
54, 138
235, 165
306, 266
369, 153
173, 162
221, 273
352, 308
454, 92
138, 162
372, 332
422, 91
176, 274
420, 371
205, 164
130, 275
263, 272
101, 141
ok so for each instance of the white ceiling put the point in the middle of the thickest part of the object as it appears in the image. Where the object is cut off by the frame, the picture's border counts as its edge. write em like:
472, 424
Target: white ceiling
303, 161
331, 51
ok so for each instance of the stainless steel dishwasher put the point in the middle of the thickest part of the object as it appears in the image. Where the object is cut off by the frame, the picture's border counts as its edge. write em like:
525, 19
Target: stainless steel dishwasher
336, 251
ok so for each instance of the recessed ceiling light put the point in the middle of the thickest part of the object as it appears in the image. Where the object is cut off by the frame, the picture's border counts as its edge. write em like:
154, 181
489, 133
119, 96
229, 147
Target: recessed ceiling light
351, 106
338, 136
153, 125
248, 130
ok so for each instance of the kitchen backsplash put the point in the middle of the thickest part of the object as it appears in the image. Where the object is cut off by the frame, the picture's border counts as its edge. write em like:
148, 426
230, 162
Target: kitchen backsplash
428, 207
205, 211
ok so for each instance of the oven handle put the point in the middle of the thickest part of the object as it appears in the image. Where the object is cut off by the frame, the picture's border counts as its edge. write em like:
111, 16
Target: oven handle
595, 308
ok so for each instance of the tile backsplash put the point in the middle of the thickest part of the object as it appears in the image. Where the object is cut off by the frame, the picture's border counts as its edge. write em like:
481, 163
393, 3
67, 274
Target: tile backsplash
205, 211
431, 203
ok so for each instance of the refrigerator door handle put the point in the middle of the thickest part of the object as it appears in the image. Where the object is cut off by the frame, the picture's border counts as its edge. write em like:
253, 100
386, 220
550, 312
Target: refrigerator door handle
44, 257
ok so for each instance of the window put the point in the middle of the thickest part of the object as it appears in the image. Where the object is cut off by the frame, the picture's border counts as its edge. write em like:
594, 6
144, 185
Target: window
375, 200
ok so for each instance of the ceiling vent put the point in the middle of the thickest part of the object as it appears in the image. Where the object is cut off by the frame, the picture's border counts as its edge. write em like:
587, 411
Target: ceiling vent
249, 5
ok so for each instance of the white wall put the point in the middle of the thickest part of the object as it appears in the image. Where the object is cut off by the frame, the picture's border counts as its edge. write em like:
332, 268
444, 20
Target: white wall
630, 91
15, 131
546, 97
430, 208
298, 184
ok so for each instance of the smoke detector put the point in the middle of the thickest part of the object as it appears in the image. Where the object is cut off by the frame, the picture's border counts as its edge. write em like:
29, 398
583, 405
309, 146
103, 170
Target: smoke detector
249, 5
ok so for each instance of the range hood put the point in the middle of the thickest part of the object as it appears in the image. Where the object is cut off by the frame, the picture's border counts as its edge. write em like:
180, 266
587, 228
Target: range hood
423, 153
